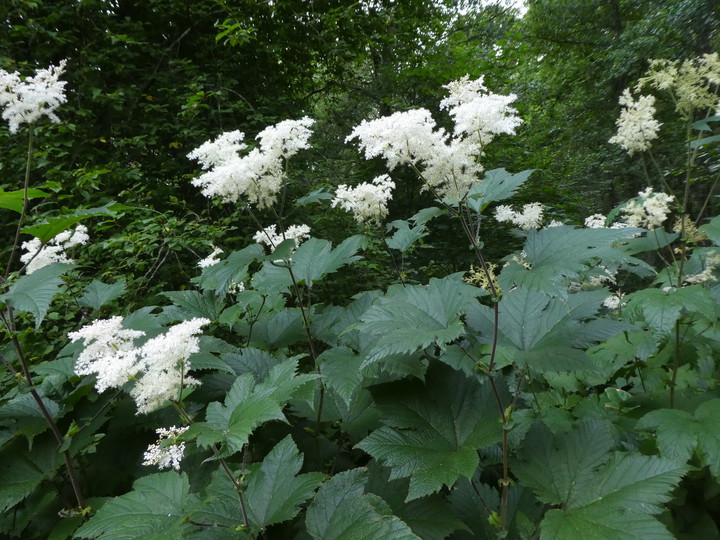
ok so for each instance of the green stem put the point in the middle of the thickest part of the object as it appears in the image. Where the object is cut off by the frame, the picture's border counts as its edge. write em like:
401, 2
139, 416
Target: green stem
26, 187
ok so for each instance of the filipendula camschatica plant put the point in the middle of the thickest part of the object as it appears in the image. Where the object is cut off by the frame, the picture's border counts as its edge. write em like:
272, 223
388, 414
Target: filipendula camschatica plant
538, 396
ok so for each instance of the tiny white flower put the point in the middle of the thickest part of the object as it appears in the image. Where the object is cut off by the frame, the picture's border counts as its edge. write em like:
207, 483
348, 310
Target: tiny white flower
166, 452
211, 259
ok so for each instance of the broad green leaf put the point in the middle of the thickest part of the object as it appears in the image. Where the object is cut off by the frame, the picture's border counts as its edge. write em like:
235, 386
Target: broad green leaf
29, 419
97, 294
340, 368
661, 309
316, 196
316, 258
697, 143
707, 415
426, 214
231, 270
413, 317
404, 237
558, 466
13, 200
596, 524
19, 476
155, 509
712, 230
677, 432
189, 304
341, 511
248, 405
547, 334
35, 292
429, 517
53, 226
274, 489
220, 506
556, 255
497, 185
279, 329
432, 430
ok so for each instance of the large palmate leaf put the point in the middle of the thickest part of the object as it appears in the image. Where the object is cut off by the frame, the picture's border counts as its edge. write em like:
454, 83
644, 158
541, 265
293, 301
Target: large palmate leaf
189, 304
680, 433
34, 293
13, 200
432, 431
155, 509
310, 262
340, 368
661, 309
497, 185
248, 405
275, 490
413, 317
554, 255
97, 294
543, 332
342, 511
600, 494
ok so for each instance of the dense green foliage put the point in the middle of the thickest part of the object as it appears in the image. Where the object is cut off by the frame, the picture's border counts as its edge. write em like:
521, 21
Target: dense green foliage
436, 374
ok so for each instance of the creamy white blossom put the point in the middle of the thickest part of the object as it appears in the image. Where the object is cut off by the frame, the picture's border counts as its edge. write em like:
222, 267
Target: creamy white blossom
211, 259
477, 111
24, 102
711, 262
448, 165
649, 210
596, 221
109, 352
37, 256
367, 201
637, 125
167, 452
614, 301
271, 238
529, 218
158, 368
258, 175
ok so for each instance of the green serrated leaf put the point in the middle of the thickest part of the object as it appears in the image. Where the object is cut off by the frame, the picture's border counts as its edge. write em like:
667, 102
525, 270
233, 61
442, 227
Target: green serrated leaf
231, 270
97, 293
707, 415
677, 432
156, 509
497, 185
340, 511
19, 476
275, 490
13, 200
661, 309
405, 237
556, 255
316, 258
25, 410
340, 368
314, 197
433, 430
189, 304
413, 317
35, 292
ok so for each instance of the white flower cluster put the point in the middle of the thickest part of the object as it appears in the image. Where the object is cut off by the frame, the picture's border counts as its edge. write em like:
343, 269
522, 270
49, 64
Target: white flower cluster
159, 367
257, 175
26, 101
712, 262
596, 221
637, 125
367, 201
478, 112
271, 238
529, 218
614, 301
166, 452
211, 259
693, 83
649, 210
448, 164
38, 256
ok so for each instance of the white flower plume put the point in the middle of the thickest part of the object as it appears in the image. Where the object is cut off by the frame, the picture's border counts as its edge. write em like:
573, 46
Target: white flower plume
167, 451
256, 176
37, 256
637, 126
271, 238
24, 102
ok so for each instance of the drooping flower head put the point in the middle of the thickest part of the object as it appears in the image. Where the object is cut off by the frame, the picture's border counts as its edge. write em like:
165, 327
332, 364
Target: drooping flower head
24, 102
